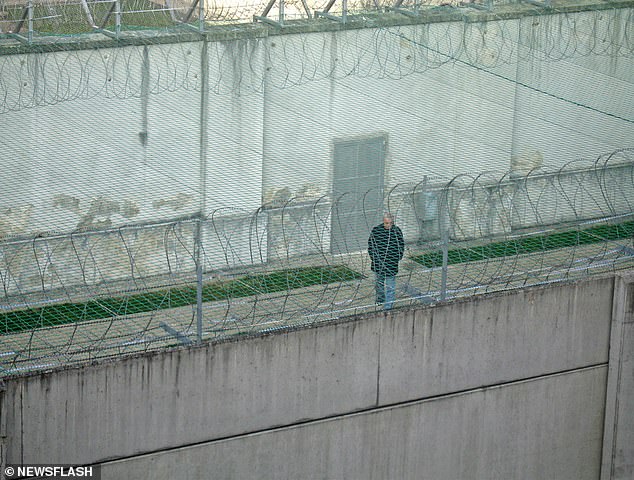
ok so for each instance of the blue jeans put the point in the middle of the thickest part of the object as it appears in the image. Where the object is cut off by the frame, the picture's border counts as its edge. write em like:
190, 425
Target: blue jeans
385, 290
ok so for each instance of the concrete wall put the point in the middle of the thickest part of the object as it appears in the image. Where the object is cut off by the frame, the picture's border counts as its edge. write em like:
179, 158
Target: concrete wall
101, 138
107, 137
618, 446
533, 383
484, 434
479, 207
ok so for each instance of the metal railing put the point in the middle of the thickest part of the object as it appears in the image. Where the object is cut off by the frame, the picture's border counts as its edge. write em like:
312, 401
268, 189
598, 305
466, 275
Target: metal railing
39, 20
76, 297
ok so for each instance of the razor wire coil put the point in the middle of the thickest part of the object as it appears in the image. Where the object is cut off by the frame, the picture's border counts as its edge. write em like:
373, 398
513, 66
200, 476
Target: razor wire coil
27, 81
81, 296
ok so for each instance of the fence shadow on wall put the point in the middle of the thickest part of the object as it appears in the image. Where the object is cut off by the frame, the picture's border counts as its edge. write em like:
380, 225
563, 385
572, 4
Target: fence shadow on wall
77, 297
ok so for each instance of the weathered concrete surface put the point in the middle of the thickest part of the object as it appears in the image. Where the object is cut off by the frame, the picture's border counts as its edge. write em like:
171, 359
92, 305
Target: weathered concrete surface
510, 385
618, 446
231, 157
310, 374
193, 395
519, 431
494, 339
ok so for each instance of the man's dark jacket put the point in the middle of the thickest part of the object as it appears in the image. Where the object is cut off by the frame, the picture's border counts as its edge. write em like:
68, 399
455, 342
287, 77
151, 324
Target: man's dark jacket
386, 247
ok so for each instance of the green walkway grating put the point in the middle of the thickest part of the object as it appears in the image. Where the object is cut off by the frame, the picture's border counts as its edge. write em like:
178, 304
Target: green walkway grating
59, 314
529, 244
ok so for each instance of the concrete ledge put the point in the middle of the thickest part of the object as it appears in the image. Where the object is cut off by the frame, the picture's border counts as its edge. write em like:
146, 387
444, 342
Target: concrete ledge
618, 444
493, 339
191, 395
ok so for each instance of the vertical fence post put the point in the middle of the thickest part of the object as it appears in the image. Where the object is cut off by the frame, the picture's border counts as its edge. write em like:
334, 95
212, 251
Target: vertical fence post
198, 260
201, 16
117, 18
199, 256
3, 427
30, 22
443, 219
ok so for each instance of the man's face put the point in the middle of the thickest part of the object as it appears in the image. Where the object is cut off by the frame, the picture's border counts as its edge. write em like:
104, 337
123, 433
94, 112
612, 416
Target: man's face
387, 223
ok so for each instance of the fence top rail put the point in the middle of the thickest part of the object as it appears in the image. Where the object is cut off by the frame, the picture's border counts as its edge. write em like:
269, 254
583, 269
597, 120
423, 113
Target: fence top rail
127, 292
489, 182
238, 24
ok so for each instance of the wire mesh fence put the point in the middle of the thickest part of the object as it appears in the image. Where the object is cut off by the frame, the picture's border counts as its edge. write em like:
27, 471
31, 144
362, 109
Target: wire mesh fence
31, 20
72, 298
162, 187
40, 20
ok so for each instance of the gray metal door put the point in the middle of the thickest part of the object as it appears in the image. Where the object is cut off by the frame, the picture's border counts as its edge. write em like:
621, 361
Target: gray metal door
357, 192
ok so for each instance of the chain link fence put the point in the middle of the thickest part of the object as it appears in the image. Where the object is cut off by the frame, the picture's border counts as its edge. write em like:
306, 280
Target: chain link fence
136, 150
73, 298
36, 21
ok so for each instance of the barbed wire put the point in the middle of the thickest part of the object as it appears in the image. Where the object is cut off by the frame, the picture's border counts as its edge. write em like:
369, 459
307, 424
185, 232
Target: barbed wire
28, 81
80, 296
68, 17
93, 288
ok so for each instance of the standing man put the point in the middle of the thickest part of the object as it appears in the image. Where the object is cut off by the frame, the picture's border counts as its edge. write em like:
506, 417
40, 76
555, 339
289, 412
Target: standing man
386, 248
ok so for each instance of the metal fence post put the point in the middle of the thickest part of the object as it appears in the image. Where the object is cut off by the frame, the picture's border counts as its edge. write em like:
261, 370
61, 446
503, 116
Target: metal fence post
203, 116
198, 259
201, 16
443, 218
30, 33
3, 428
117, 18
